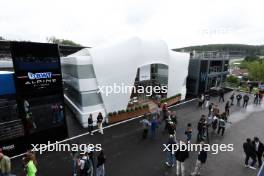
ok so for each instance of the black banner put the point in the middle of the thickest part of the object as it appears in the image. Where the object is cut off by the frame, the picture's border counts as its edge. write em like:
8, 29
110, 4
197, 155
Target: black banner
37, 68
39, 92
203, 76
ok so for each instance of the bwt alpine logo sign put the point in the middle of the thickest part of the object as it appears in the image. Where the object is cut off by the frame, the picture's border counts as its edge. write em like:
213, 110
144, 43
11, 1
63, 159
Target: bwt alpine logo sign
43, 75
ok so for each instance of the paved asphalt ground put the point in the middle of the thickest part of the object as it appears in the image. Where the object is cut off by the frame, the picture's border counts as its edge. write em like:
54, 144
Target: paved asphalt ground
128, 155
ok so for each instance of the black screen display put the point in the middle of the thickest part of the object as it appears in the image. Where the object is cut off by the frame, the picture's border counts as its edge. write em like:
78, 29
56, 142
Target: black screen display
34, 110
39, 88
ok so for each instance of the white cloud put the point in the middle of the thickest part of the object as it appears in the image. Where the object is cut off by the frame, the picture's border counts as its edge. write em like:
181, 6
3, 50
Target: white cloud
91, 23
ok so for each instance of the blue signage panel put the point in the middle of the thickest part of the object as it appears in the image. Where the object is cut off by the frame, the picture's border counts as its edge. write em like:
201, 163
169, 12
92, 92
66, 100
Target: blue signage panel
261, 87
7, 85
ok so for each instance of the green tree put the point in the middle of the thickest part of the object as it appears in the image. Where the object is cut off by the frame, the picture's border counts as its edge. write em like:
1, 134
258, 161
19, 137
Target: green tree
251, 58
2, 38
256, 70
62, 41
233, 80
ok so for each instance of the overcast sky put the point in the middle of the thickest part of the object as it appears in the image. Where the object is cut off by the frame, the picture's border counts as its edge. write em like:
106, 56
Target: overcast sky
93, 22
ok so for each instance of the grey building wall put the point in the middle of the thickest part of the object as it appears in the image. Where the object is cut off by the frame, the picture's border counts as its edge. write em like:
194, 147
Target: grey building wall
79, 71
80, 98
194, 85
193, 77
83, 99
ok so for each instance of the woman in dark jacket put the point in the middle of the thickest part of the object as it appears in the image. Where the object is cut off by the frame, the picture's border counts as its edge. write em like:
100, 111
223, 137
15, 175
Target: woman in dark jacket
181, 155
100, 169
249, 152
202, 157
227, 107
90, 124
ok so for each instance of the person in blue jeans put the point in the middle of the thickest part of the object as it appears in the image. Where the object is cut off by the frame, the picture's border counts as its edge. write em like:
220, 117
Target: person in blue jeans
170, 156
75, 158
188, 132
154, 126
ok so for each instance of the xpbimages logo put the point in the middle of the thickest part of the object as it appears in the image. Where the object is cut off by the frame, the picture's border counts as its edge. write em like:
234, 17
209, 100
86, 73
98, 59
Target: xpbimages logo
126, 89
60, 147
214, 148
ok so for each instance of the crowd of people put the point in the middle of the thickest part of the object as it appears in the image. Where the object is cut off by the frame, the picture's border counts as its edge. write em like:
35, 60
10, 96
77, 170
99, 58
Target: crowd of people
85, 164
29, 164
216, 119
170, 120
253, 150
99, 121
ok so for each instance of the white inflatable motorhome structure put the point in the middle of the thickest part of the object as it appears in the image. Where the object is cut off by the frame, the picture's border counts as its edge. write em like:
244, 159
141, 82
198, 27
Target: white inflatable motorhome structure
87, 70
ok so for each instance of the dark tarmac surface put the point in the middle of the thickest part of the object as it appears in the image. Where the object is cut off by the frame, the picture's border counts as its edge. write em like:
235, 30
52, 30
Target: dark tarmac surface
128, 155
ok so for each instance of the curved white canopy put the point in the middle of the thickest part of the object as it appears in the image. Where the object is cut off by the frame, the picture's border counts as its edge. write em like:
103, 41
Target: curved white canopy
118, 63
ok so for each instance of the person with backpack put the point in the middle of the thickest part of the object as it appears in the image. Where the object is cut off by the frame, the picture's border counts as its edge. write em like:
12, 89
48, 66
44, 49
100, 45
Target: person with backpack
100, 168
215, 123
86, 166
238, 97
201, 160
221, 126
145, 126
246, 99
100, 122
90, 124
